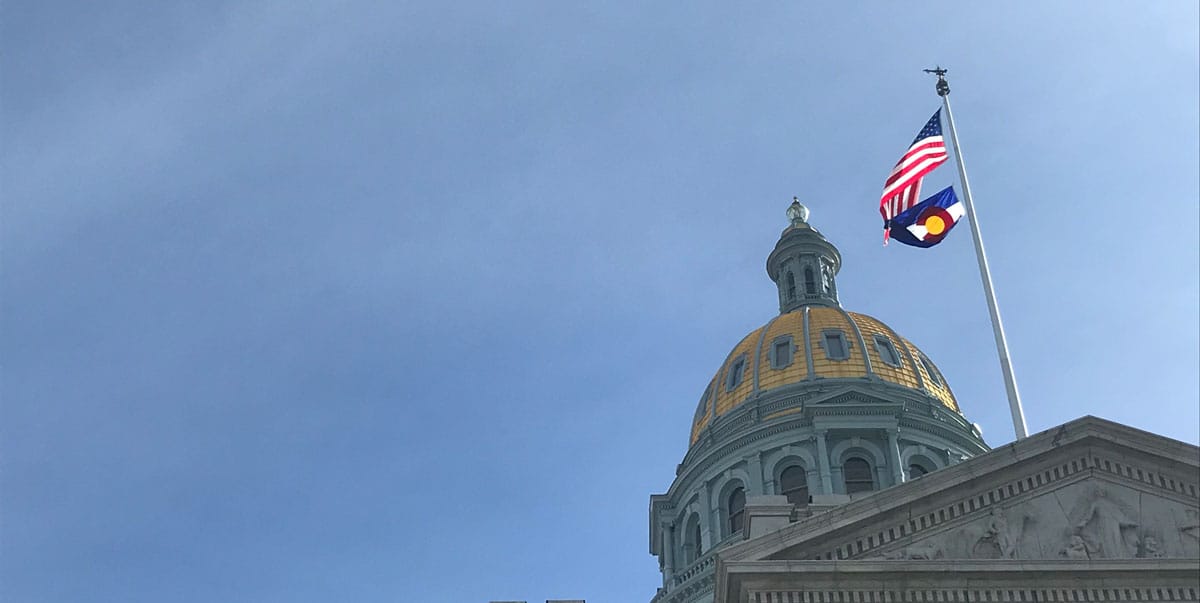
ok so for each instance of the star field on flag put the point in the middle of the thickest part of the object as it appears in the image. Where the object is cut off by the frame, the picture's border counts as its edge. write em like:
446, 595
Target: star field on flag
903, 187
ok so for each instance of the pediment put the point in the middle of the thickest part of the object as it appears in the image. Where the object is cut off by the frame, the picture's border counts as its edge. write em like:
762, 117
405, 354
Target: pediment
1091, 489
852, 394
1089, 518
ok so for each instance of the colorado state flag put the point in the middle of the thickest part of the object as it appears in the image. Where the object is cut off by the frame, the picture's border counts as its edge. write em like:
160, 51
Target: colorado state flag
928, 222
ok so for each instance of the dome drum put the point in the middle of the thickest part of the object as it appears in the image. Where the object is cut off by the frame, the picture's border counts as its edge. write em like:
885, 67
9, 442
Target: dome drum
827, 435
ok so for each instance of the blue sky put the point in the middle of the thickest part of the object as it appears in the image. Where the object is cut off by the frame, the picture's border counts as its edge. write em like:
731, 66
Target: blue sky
412, 302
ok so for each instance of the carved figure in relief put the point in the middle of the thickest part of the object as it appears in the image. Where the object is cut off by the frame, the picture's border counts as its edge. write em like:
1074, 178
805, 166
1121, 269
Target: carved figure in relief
997, 541
1076, 548
1192, 525
1149, 548
1106, 525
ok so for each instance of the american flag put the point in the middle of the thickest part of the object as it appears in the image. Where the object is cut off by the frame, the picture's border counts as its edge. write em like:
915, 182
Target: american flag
903, 187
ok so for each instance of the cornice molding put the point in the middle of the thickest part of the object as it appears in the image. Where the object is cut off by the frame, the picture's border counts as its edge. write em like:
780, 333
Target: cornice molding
1082, 448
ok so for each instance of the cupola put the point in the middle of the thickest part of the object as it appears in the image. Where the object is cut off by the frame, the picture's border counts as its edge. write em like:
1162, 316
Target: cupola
804, 264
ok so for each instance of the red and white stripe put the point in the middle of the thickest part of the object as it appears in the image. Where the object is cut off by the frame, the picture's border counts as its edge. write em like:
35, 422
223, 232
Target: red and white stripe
903, 187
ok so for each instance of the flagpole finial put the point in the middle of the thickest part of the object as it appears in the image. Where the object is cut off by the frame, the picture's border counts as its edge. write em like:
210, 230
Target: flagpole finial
943, 87
797, 213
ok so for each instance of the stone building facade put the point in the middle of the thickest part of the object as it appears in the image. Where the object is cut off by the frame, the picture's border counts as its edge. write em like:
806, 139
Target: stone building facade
829, 461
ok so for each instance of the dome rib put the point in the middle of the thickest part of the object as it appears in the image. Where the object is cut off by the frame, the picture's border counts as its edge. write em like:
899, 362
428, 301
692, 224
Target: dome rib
762, 336
902, 374
912, 360
808, 358
941, 392
862, 343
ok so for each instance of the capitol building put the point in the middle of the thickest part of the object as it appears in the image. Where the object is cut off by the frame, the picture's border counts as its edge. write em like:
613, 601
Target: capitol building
829, 461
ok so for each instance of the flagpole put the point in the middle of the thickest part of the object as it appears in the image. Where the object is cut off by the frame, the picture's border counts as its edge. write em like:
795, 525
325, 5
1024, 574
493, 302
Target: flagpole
1010, 381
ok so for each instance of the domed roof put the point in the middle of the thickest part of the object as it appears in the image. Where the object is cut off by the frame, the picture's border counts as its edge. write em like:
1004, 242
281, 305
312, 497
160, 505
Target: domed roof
818, 407
794, 349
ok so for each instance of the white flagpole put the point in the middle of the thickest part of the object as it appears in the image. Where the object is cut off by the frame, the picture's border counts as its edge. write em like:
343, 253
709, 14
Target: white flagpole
1010, 381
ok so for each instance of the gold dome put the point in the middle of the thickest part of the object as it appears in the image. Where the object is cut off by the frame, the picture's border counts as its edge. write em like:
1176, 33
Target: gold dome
808, 360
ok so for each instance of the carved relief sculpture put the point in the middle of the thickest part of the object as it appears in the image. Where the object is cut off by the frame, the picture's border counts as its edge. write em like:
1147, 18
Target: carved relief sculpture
1192, 525
998, 542
1106, 525
1076, 548
1150, 548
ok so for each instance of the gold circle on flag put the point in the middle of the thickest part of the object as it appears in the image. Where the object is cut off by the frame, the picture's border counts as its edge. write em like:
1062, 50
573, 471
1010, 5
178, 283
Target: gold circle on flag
935, 225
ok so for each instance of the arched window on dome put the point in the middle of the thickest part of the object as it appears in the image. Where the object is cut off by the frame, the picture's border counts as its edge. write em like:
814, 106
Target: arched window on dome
791, 285
858, 476
916, 470
735, 509
810, 282
793, 483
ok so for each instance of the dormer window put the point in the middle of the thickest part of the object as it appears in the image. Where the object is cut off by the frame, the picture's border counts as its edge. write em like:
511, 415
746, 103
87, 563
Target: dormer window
933, 374
736, 371
781, 352
835, 345
887, 351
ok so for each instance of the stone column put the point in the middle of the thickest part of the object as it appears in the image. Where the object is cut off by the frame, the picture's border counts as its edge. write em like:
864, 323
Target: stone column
669, 551
755, 487
893, 452
823, 463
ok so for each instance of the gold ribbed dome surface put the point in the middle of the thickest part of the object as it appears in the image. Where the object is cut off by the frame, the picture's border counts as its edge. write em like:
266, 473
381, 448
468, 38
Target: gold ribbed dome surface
860, 332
